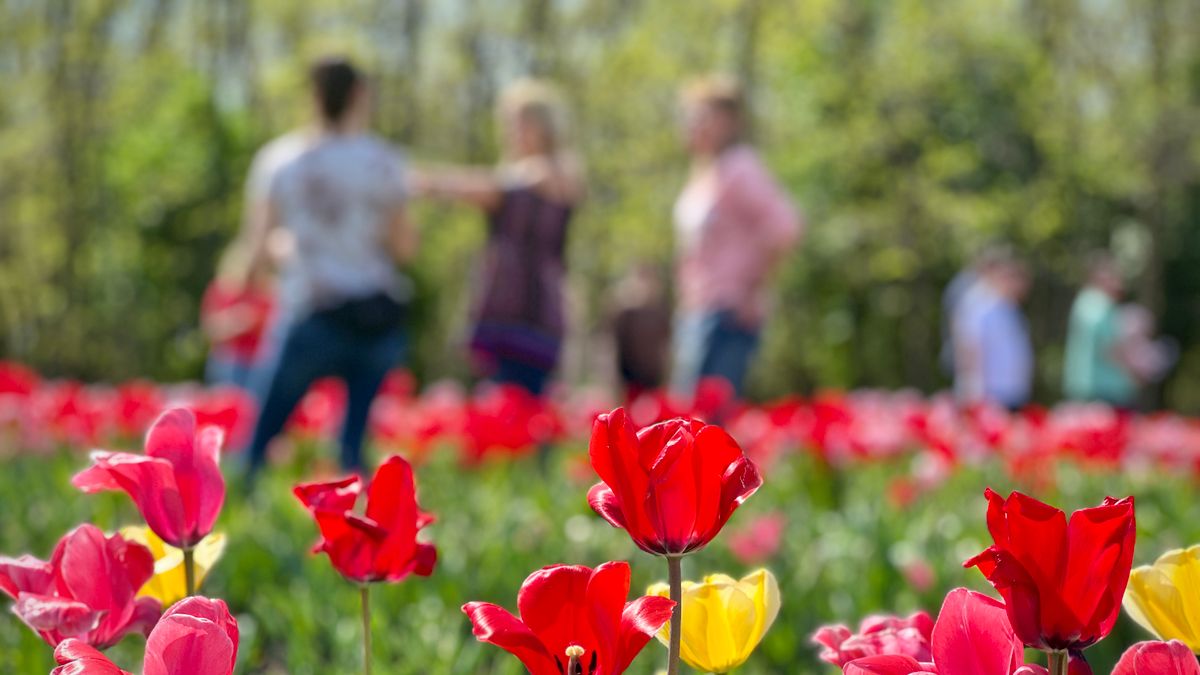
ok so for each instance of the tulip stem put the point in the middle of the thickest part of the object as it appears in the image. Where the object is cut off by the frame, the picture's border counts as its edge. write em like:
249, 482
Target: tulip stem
1058, 662
189, 570
675, 581
366, 622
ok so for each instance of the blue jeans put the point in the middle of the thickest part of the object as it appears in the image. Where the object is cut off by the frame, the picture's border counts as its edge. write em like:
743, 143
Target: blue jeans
224, 369
530, 378
712, 344
317, 347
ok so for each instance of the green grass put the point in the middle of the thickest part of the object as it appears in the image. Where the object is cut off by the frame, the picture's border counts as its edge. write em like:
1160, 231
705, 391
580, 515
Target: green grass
842, 551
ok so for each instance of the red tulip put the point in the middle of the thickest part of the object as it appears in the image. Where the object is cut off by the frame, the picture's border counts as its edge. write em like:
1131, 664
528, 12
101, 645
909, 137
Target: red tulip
1157, 658
177, 485
88, 590
1062, 583
671, 486
972, 635
877, 636
380, 545
564, 606
197, 636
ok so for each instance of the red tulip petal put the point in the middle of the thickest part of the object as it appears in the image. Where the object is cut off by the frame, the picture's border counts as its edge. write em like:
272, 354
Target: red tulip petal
1020, 593
78, 658
146, 612
640, 620
424, 560
150, 482
614, 454
350, 542
1157, 658
1101, 555
673, 494
1036, 533
58, 615
553, 603
830, 639
495, 625
392, 503
606, 593
337, 495
182, 643
604, 502
887, 665
972, 636
25, 574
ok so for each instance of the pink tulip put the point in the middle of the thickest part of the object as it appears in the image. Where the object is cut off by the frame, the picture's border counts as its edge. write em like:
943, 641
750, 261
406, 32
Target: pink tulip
972, 635
877, 636
1157, 658
197, 636
87, 591
177, 485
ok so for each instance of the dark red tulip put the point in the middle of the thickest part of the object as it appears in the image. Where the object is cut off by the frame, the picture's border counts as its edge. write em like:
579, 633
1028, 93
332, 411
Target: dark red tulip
1062, 582
88, 590
177, 485
380, 545
564, 606
197, 636
1158, 658
672, 486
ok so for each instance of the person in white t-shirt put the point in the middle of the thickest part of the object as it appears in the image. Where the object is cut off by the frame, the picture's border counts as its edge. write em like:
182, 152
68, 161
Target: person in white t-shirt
336, 196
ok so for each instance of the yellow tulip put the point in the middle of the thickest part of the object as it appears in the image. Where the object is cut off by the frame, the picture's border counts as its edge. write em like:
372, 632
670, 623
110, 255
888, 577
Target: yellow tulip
1165, 597
169, 584
724, 619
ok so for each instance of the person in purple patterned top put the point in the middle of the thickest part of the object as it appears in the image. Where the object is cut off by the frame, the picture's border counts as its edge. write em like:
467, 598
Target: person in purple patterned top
529, 200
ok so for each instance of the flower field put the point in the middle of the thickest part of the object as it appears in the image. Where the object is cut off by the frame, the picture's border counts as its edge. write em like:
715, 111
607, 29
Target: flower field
870, 502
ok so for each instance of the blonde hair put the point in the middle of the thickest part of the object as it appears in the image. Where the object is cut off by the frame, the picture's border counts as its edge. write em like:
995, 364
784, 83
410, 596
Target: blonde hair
539, 102
723, 92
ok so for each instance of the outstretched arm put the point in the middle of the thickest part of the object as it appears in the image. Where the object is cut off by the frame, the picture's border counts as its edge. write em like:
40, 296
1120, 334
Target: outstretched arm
468, 185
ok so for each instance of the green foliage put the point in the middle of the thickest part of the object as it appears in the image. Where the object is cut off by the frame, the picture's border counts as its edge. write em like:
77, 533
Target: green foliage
910, 132
842, 556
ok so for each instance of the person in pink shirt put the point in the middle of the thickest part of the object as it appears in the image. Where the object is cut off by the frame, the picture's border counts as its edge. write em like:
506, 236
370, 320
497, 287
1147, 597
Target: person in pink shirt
734, 225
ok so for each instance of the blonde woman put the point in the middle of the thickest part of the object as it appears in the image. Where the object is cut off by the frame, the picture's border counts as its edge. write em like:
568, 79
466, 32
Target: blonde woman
528, 199
734, 224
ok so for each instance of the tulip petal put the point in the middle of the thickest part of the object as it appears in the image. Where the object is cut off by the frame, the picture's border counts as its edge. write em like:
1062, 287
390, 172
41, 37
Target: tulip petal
62, 616
149, 482
604, 502
182, 643
887, 665
614, 453
553, 603
495, 625
606, 592
640, 619
76, 657
1101, 542
25, 574
1162, 597
339, 495
194, 456
972, 636
1157, 658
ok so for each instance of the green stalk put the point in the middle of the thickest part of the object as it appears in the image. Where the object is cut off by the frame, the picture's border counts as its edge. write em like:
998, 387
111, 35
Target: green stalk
366, 623
189, 570
675, 581
1058, 661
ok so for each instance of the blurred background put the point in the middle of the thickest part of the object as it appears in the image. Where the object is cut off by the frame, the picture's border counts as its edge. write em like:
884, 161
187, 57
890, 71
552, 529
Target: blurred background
910, 133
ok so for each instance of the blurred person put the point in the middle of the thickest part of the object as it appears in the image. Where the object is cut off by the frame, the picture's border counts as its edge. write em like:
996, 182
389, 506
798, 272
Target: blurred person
1147, 358
641, 326
952, 296
342, 205
993, 351
1093, 368
734, 224
234, 317
529, 199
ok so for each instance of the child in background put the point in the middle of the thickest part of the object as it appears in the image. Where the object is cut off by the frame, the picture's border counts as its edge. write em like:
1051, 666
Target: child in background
1147, 359
235, 319
642, 330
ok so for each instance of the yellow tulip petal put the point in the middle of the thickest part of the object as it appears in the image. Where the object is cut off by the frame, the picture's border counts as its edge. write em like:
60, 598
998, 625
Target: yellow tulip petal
1164, 598
696, 647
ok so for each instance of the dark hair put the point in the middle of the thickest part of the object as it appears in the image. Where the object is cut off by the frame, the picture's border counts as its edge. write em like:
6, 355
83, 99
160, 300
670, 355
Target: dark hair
334, 80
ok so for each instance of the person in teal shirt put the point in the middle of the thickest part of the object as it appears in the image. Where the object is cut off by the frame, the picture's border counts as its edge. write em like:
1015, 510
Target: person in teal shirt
1093, 370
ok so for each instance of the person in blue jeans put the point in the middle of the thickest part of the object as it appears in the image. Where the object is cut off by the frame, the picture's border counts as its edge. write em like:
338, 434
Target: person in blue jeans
338, 206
